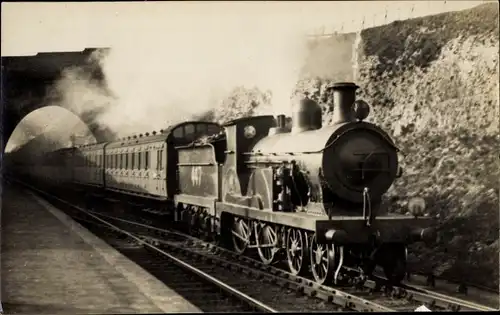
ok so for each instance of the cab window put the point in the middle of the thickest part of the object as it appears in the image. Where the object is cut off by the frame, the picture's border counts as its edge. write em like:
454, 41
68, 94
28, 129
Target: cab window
178, 133
213, 129
188, 130
201, 129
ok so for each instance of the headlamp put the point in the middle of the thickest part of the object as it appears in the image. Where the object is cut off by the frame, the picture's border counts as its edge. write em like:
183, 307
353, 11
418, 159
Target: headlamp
416, 206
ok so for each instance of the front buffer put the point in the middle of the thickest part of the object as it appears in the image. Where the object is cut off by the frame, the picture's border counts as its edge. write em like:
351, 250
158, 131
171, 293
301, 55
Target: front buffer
387, 229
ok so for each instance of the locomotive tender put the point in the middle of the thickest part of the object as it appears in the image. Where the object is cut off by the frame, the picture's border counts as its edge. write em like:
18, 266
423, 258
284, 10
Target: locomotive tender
309, 194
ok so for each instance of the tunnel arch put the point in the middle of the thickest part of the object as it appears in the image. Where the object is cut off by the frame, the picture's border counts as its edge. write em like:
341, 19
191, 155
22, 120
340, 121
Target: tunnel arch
27, 81
12, 119
49, 122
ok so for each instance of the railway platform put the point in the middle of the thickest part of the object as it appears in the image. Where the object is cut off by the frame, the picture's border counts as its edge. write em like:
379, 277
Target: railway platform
51, 265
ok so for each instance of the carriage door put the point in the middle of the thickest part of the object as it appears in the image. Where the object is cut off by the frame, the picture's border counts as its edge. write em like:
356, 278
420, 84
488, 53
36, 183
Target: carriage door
156, 170
160, 171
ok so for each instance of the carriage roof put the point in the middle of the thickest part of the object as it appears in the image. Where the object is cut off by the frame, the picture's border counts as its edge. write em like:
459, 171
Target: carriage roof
166, 135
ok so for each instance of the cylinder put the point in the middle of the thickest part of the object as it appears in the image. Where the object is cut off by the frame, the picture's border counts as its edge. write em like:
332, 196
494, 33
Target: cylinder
344, 96
426, 235
336, 236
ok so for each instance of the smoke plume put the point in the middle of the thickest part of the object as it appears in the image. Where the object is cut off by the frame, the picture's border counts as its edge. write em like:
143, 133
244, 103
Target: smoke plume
157, 80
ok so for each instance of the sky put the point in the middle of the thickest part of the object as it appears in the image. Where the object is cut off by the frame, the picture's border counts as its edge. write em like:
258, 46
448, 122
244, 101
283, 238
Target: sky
57, 26
173, 58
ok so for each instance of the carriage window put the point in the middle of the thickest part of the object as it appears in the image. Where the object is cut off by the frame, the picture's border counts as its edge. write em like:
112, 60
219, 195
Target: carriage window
158, 162
159, 165
178, 133
146, 160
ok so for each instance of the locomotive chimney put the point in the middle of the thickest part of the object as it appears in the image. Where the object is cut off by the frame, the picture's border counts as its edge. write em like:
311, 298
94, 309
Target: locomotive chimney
306, 116
344, 96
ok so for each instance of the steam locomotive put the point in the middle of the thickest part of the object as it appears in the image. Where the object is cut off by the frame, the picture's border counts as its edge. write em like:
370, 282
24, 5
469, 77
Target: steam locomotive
306, 193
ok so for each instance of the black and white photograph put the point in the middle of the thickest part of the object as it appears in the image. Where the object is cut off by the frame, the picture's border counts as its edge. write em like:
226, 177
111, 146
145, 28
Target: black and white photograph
249, 156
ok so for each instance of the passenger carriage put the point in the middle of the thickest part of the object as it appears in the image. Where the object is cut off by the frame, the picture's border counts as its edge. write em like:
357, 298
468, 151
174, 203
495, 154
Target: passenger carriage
89, 165
140, 165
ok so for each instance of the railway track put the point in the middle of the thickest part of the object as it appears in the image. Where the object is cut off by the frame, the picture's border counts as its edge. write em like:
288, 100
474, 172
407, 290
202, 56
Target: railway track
377, 291
211, 287
274, 283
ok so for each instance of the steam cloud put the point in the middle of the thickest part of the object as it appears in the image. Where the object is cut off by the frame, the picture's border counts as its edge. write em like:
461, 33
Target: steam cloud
163, 77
